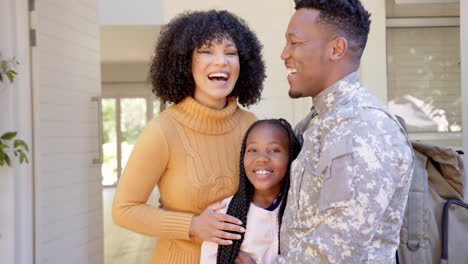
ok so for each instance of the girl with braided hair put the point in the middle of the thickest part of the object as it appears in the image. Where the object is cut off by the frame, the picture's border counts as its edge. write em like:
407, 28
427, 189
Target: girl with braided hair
268, 148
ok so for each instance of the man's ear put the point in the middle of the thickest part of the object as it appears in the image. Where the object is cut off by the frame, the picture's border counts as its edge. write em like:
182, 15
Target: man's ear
339, 47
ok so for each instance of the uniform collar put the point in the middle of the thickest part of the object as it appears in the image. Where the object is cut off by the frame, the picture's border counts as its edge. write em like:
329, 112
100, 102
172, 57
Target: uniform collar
339, 92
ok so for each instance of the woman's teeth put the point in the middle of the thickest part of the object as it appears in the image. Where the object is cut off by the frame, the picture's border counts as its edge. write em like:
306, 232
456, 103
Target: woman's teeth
219, 76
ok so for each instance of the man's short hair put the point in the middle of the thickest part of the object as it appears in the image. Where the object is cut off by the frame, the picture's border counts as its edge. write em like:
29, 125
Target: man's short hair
347, 17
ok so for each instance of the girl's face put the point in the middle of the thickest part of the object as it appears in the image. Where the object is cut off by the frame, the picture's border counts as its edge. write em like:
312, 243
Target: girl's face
215, 69
266, 158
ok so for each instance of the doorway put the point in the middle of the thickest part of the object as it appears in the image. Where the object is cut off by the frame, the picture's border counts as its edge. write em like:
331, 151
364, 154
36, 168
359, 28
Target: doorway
123, 119
127, 105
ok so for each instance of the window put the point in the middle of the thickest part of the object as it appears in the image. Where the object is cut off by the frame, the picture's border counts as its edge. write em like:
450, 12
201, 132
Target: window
423, 69
123, 121
109, 144
424, 77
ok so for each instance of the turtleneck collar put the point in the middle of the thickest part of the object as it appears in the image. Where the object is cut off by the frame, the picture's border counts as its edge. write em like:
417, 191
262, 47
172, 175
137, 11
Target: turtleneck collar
340, 91
203, 119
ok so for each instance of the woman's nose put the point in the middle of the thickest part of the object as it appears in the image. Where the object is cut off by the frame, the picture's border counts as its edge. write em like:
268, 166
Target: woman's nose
220, 59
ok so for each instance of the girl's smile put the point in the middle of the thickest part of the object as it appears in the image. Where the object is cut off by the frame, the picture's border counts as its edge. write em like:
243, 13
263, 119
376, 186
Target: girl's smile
266, 161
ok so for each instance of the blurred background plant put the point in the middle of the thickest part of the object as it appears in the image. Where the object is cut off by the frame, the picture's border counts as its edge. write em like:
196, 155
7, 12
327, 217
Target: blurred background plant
9, 144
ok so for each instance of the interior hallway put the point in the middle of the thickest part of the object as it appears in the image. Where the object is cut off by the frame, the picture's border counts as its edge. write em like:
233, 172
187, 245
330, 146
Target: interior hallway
122, 246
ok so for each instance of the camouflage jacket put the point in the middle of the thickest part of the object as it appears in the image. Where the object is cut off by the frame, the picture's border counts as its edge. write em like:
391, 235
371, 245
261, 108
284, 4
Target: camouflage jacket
349, 184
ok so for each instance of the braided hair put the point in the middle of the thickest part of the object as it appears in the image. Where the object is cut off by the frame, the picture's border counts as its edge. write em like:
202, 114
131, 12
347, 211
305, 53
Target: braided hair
240, 203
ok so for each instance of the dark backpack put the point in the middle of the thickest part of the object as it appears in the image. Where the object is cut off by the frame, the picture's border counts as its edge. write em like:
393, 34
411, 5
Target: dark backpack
435, 225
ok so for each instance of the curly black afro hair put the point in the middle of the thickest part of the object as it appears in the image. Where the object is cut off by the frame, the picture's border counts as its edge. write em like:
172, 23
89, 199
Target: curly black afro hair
347, 17
171, 68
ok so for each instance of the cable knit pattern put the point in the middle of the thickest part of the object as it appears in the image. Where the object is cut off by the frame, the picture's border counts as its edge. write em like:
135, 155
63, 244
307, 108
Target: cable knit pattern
191, 153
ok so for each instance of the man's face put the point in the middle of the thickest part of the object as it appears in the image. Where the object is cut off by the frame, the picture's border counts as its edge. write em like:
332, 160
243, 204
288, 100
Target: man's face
306, 54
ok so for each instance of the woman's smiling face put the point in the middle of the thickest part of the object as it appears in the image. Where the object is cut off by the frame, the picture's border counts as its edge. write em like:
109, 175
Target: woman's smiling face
215, 69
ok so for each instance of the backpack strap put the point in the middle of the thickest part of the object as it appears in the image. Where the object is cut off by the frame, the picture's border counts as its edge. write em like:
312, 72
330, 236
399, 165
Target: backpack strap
445, 226
304, 124
416, 209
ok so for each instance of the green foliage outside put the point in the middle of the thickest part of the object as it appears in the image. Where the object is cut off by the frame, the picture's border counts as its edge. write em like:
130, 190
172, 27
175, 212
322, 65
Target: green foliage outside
20, 148
132, 122
108, 118
6, 70
133, 119
8, 143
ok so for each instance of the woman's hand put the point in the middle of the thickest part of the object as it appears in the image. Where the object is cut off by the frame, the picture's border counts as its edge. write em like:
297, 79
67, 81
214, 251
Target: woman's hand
212, 226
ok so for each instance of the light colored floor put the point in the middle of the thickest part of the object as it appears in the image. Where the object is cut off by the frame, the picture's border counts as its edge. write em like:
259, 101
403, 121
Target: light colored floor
122, 246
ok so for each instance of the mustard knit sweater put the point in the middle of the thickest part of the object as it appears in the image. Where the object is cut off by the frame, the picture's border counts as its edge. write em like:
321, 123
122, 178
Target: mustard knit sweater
191, 152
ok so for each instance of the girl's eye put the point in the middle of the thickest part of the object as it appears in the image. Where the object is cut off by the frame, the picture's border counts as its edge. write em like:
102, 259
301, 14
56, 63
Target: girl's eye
251, 150
275, 150
232, 53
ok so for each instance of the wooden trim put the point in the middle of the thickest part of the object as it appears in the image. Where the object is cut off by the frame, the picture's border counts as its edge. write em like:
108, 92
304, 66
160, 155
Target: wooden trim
423, 22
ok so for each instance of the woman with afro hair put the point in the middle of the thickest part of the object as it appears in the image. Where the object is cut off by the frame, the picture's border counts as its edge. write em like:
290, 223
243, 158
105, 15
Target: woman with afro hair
206, 63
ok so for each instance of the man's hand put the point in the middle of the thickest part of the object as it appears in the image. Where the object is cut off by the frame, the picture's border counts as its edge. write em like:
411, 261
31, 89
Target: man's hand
210, 226
244, 258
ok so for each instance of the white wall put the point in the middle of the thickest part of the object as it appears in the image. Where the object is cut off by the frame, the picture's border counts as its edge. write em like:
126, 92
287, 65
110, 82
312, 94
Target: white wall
16, 192
125, 12
128, 44
7, 201
66, 75
464, 81
373, 68
24, 183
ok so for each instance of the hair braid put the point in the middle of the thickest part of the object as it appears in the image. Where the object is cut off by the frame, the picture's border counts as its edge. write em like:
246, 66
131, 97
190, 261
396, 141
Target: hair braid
238, 207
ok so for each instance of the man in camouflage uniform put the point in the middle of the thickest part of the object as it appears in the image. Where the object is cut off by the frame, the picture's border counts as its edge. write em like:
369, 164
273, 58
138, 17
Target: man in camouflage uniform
349, 184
